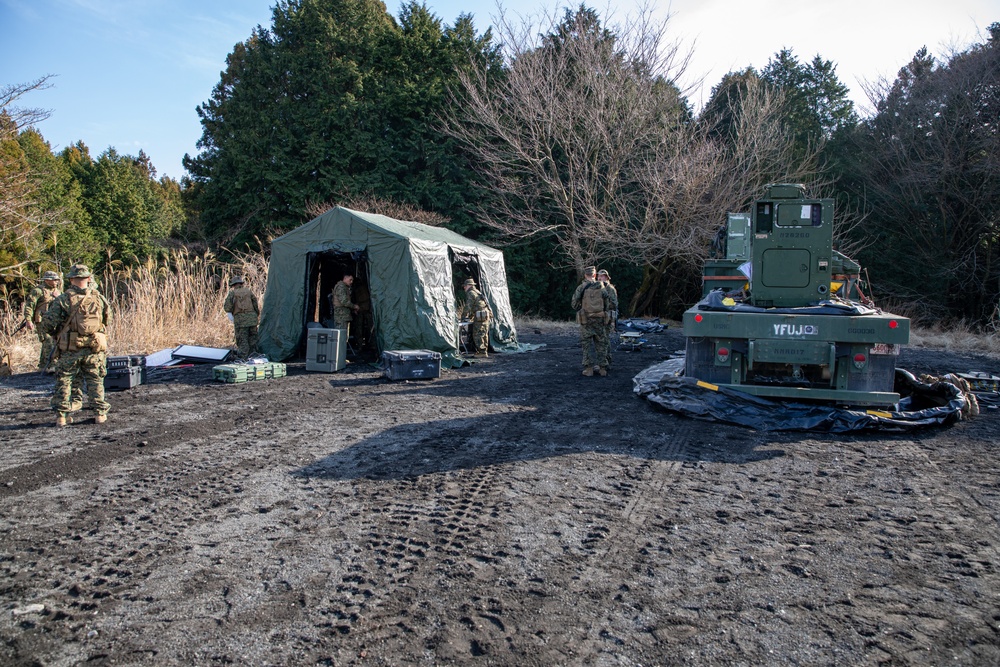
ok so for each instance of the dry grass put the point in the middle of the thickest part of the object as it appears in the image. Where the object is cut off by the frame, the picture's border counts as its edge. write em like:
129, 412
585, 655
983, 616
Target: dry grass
533, 323
157, 306
958, 337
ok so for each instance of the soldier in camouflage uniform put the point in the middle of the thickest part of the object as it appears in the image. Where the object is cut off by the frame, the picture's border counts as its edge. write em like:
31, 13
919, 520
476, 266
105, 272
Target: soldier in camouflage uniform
343, 307
475, 308
35, 305
242, 305
78, 320
592, 305
604, 277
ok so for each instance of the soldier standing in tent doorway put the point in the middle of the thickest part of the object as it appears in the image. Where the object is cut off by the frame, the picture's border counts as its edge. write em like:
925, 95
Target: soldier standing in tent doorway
78, 320
604, 277
243, 309
48, 288
592, 304
475, 308
343, 307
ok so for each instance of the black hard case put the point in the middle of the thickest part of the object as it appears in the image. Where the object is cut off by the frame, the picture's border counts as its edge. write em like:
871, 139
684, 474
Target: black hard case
411, 364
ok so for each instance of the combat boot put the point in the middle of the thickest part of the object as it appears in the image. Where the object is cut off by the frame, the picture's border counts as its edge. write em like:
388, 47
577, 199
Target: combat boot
588, 371
603, 372
100, 419
63, 420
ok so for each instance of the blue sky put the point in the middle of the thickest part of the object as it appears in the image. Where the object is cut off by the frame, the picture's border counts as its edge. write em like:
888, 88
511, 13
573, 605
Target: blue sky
129, 73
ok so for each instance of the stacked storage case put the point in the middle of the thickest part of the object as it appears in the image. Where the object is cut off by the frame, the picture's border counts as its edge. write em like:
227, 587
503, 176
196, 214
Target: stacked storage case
326, 350
239, 373
125, 372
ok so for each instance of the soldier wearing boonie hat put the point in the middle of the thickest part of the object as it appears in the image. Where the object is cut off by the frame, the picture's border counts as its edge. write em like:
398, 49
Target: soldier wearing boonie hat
79, 319
243, 308
35, 305
474, 307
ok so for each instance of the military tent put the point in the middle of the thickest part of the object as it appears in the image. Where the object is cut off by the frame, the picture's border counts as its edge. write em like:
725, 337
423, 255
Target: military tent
407, 276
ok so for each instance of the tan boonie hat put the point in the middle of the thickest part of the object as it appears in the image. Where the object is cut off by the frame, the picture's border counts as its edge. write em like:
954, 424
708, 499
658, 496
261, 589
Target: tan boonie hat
604, 272
235, 280
78, 271
469, 283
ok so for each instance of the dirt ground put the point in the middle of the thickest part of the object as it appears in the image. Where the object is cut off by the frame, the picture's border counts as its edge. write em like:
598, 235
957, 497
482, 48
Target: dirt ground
509, 513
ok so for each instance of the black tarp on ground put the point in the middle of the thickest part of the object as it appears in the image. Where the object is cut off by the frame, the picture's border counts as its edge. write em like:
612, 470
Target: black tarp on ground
921, 404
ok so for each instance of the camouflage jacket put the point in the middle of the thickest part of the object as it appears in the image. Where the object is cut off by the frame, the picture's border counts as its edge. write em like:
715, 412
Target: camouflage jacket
38, 301
612, 295
473, 303
341, 296
243, 305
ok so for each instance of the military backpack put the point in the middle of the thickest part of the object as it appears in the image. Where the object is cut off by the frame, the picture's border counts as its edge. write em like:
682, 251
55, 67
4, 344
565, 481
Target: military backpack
592, 304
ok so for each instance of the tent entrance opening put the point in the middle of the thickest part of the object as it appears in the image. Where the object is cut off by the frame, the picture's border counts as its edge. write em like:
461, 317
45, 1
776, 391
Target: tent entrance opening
324, 271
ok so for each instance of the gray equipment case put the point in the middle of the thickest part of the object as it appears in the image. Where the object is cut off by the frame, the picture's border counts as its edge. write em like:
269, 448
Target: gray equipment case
326, 350
120, 379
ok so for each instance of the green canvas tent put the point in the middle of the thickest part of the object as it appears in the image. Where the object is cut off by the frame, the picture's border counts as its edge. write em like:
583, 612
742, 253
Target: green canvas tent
409, 271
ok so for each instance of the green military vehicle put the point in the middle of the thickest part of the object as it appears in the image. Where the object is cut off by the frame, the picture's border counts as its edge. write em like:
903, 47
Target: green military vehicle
784, 315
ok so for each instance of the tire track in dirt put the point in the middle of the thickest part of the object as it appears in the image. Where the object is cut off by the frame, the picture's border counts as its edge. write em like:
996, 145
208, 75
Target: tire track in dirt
614, 535
124, 527
934, 521
408, 547
613, 509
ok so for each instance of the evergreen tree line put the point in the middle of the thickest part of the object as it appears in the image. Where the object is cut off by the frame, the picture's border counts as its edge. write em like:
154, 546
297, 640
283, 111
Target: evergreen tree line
566, 142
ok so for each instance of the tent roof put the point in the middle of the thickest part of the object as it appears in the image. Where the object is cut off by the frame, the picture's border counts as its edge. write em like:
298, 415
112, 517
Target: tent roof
402, 229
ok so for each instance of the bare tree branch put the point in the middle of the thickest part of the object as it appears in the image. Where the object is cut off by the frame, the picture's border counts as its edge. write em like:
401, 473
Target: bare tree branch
562, 134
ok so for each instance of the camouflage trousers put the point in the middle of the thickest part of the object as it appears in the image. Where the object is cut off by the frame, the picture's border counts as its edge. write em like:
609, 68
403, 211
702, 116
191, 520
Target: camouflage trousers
479, 336
75, 394
343, 322
596, 342
246, 341
611, 329
342, 317
74, 368
48, 342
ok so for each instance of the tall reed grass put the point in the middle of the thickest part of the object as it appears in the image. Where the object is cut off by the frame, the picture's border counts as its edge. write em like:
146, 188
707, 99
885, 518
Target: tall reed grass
155, 305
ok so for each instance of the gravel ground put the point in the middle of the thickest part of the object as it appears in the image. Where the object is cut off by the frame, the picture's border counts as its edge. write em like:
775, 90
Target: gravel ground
509, 513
